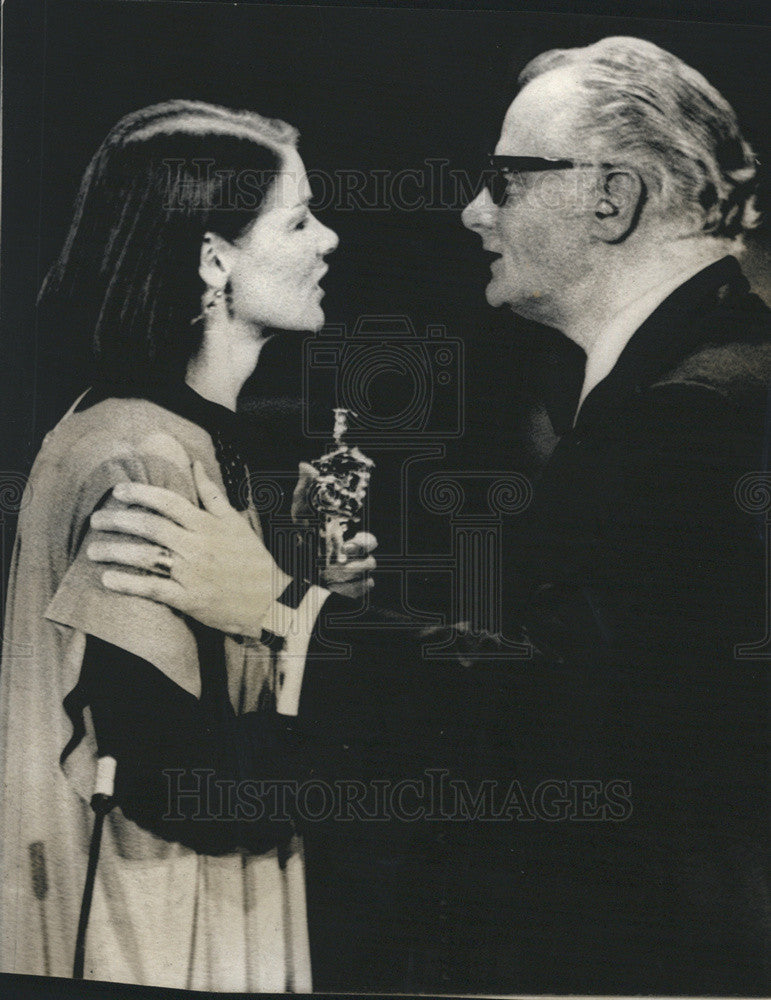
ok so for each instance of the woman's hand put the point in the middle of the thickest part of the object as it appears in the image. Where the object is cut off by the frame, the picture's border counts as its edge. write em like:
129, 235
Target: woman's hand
349, 574
302, 511
207, 563
351, 578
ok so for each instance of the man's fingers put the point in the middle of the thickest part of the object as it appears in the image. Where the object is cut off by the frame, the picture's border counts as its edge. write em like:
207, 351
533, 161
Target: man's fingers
210, 494
137, 554
155, 588
140, 523
164, 502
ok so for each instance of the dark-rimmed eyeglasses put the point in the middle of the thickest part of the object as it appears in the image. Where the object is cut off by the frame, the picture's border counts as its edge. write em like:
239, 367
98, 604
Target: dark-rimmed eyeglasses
500, 170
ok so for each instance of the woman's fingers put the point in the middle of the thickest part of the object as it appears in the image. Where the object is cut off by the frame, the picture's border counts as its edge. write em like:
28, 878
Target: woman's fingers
140, 523
301, 509
211, 496
306, 471
362, 543
172, 505
161, 501
353, 570
351, 579
154, 588
354, 589
140, 555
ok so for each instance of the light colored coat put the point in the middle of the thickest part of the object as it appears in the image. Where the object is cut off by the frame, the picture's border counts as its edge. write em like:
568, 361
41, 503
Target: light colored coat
162, 914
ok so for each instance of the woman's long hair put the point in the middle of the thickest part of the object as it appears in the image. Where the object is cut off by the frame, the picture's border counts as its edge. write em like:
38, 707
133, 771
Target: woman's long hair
127, 276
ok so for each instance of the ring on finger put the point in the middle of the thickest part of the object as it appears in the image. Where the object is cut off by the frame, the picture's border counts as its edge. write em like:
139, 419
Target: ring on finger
163, 562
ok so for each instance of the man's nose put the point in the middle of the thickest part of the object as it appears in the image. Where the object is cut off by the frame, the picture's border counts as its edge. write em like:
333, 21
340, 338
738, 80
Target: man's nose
480, 213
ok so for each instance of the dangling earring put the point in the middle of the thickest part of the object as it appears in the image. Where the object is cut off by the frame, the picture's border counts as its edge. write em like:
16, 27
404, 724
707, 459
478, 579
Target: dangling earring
229, 299
212, 302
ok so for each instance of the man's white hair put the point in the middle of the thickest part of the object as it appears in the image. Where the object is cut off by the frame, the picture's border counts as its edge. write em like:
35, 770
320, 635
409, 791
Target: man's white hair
650, 109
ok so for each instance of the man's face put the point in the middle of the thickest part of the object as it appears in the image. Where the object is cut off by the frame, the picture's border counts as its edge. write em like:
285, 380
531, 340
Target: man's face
540, 230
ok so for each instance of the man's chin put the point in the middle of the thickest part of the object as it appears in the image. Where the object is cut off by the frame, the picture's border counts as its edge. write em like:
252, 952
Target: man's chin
527, 306
495, 295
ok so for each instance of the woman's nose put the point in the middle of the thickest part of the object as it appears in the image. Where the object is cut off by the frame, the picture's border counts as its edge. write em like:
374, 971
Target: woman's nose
328, 240
479, 213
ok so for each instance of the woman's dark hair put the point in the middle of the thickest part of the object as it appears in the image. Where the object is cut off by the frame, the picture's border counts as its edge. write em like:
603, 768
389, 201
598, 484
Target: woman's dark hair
127, 276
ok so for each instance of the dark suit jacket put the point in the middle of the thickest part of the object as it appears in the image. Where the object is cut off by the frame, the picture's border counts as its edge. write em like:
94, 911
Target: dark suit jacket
640, 566
636, 571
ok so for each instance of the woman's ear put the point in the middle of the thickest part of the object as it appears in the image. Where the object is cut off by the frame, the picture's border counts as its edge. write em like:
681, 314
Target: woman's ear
215, 264
618, 205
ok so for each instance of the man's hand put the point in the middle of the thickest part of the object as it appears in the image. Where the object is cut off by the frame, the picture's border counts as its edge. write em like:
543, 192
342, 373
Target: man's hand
212, 565
462, 644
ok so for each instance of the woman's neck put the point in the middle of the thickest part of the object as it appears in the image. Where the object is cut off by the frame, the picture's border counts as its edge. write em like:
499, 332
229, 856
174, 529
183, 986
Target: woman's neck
224, 362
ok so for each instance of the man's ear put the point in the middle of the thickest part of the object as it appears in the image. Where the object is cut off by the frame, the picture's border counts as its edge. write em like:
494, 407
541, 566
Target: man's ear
618, 205
215, 263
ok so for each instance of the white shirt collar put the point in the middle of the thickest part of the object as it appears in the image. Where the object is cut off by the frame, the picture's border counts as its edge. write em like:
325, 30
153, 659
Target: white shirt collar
602, 356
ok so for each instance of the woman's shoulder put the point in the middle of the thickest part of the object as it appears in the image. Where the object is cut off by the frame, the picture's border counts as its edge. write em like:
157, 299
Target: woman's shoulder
123, 430
130, 416
131, 420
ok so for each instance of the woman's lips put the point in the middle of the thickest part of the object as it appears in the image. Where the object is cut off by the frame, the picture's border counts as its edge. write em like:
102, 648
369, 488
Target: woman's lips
316, 287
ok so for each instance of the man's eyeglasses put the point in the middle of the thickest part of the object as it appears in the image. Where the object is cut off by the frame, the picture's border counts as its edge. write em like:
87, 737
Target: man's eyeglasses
500, 170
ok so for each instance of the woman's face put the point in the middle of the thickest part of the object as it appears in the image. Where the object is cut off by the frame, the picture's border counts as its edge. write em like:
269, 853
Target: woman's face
279, 260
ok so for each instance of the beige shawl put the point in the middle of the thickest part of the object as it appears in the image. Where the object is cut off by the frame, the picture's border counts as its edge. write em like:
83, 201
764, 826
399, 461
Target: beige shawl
162, 914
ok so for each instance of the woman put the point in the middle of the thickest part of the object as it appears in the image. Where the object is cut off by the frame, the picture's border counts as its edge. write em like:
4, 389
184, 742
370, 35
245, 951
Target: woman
192, 239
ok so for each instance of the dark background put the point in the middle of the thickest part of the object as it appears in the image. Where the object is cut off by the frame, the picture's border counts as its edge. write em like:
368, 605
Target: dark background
369, 89
377, 88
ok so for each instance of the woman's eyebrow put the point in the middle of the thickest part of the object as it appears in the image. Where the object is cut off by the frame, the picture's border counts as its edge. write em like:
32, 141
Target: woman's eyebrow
298, 209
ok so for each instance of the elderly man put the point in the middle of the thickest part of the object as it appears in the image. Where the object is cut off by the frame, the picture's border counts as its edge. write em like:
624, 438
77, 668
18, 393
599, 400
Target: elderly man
620, 190
616, 200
